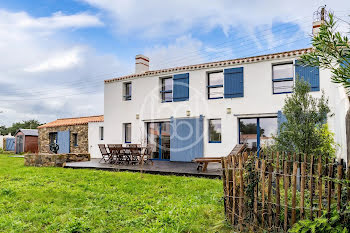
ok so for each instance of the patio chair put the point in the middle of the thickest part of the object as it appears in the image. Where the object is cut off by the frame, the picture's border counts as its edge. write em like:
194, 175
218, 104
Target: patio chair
106, 156
135, 155
115, 151
147, 154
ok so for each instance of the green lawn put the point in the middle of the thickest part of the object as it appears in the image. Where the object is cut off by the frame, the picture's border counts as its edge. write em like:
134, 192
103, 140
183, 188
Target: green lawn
65, 200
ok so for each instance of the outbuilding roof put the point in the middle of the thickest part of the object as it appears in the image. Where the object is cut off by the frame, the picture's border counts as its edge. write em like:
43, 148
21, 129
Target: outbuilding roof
216, 64
73, 121
28, 132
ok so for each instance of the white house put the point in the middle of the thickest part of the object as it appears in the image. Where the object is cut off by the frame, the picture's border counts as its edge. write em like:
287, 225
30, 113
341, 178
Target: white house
206, 109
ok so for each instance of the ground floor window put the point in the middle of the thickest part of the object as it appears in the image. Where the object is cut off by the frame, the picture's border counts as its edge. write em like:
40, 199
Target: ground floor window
158, 134
127, 132
75, 139
215, 131
257, 132
101, 133
53, 137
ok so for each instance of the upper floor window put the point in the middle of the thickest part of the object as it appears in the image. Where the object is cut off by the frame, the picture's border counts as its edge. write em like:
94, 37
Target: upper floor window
283, 78
215, 131
216, 85
167, 89
101, 133
127, 132
127, 91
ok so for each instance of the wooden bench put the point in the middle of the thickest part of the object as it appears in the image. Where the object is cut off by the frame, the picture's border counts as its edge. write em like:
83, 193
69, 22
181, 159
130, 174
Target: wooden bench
204, 161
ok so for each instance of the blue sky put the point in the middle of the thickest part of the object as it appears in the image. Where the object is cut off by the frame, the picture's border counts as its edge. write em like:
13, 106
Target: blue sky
58, 52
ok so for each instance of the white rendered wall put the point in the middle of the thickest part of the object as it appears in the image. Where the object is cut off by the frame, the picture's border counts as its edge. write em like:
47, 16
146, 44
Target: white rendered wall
94, 139
258, 99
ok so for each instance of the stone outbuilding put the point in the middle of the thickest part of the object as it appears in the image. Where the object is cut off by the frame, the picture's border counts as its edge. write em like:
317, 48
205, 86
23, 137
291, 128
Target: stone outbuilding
26, 140
70, 134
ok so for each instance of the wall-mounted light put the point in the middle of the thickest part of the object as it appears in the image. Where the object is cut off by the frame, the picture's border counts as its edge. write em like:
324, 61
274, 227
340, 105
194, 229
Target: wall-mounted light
137, 116
228, 110
188, 113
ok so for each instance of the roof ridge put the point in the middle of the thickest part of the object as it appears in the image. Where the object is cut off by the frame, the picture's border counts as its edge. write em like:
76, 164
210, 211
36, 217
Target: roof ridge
211, 64
79, 117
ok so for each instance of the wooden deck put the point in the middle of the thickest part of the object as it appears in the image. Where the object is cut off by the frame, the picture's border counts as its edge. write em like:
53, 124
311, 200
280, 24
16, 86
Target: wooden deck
158, 167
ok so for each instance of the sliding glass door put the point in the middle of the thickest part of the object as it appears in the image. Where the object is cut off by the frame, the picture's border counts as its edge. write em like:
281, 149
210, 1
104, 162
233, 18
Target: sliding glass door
257, 132
158, 134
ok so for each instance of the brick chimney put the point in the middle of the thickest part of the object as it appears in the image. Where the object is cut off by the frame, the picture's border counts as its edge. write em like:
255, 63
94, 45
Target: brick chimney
320, 17
141, 64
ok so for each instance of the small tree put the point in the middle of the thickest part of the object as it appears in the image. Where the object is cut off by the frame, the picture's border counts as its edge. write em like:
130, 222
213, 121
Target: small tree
331, 50
305, 130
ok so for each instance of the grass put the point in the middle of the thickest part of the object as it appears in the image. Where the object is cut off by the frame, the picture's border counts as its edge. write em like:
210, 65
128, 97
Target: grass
65, 200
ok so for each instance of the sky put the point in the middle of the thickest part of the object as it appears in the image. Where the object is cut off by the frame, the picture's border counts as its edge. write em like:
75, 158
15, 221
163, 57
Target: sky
55, 54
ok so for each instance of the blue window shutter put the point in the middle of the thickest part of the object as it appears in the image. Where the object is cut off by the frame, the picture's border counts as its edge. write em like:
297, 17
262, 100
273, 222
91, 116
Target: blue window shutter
233, 83
181, 87
308, 73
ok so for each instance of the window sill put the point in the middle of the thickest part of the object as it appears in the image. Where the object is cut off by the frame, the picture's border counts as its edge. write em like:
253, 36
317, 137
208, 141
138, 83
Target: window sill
215, 98
214, 141
279, 93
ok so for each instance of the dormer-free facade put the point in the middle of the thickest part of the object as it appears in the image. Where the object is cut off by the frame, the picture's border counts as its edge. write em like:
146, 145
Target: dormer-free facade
206, 109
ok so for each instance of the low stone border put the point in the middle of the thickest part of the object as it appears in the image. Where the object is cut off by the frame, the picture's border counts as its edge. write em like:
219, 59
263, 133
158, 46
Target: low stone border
54, 160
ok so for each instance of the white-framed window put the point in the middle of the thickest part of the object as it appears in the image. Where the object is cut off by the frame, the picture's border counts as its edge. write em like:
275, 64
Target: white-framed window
282, 78
127, 91
127, 132
101, 133
216, 85
167, 89
214, 131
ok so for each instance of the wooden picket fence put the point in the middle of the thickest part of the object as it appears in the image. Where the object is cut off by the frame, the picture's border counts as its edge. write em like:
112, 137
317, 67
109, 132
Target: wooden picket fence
274, 192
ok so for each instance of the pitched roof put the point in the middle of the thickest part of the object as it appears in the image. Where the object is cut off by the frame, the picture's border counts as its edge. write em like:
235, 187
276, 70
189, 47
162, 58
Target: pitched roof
215, 64
28, 132
73, 121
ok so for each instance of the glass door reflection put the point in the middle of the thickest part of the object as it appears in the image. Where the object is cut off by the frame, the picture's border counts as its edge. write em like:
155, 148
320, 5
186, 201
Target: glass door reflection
158, 134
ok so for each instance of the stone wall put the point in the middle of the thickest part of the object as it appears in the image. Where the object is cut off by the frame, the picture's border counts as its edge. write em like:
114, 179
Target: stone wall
81, 130
54, 160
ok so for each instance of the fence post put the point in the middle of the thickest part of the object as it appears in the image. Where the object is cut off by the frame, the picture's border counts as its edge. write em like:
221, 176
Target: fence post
269, 190
223, 165
286, 181
311, 186
263, 167
302, 190
294, 191
330, 174
241, 194
233, 189
256, 188
319, 186
278, 201
340, 177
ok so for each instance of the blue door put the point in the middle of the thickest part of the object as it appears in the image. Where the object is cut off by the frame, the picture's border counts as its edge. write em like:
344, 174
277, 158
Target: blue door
63, 141
10, 144
186, 139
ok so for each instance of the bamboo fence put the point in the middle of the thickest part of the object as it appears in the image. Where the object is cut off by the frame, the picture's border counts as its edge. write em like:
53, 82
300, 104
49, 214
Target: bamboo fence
272, 193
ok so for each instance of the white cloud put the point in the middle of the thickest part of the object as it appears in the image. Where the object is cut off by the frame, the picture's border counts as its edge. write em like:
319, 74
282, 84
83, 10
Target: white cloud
184, 50
45, 74
158, 18
63, 60
21, 20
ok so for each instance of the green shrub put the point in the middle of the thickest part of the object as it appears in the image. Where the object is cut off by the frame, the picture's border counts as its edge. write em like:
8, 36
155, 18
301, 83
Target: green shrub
337, 223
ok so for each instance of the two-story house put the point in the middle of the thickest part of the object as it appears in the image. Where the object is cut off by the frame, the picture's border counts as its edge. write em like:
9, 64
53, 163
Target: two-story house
206, 109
